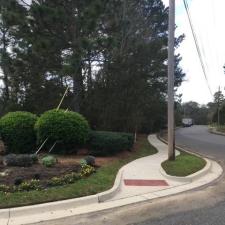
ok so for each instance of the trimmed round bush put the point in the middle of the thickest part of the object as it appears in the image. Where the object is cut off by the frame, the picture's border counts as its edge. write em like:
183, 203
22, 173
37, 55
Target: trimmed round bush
68, 129
17, 132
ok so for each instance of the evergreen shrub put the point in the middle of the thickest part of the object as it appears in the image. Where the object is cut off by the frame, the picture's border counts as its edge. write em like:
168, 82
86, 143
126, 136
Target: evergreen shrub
17, 132
68, 129
105, 143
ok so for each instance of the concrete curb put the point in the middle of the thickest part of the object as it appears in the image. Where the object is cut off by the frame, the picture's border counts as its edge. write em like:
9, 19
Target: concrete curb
104, 196
64, 204
213, 131
189, 178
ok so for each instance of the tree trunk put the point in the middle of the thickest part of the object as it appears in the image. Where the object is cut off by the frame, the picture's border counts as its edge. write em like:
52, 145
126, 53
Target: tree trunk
77, 90
89, 73
5, 69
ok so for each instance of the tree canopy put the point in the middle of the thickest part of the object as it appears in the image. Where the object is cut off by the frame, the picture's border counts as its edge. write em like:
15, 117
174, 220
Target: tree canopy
111, 54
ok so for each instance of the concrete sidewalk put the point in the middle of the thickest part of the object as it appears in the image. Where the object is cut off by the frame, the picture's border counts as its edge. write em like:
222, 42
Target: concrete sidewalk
138, 181
143, 175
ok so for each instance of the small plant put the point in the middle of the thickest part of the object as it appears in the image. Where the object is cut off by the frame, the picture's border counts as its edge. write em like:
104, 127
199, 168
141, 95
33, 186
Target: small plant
86, 170
4, 188
66, 179
49, 161
83, 162
56, 181
34, 158
18, 181
90, 160
37, 176
71, 178
29, 185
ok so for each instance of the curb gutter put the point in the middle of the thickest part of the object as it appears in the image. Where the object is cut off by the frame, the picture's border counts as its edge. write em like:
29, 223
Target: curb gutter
63, 204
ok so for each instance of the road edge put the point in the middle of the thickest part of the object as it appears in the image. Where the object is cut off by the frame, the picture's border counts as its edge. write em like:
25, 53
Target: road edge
213, 131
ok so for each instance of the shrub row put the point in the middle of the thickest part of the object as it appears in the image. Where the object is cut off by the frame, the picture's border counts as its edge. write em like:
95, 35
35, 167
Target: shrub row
105, 143
22, 131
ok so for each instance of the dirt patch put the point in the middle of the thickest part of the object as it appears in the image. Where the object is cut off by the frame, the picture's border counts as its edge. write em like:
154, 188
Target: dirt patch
37, 171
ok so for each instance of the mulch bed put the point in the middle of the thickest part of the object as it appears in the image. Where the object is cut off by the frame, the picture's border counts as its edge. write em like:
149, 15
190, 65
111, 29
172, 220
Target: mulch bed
36, 171
66, 164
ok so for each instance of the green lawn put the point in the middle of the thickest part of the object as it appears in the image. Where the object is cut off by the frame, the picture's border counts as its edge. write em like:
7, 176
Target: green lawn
184, 165
102, 180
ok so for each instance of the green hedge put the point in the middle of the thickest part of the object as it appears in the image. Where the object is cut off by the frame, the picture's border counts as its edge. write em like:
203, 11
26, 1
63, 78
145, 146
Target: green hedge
105, 143
69, 129
17, 132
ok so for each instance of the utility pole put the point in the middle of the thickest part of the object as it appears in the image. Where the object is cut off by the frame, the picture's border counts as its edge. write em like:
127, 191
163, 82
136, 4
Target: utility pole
218, 108
171, 40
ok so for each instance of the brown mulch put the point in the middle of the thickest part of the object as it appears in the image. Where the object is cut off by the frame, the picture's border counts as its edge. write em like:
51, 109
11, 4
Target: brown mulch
66, 164
36, 171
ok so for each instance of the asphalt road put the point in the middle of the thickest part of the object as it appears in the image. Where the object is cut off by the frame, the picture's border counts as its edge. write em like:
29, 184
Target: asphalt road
202, 206
198, 139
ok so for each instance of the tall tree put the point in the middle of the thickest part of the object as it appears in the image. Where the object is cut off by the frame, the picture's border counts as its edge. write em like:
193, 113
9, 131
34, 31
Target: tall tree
112, 55
132, 84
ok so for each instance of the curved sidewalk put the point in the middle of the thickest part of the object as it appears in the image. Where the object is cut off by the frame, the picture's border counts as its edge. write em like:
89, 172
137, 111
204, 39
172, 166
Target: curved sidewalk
143, 175
138, 181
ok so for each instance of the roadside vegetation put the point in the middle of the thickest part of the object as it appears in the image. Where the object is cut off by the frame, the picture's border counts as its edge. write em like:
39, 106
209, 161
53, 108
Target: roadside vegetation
102, 179
184, 165
221, 128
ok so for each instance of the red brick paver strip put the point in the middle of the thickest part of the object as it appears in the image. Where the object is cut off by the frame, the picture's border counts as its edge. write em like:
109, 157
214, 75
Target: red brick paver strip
129, 182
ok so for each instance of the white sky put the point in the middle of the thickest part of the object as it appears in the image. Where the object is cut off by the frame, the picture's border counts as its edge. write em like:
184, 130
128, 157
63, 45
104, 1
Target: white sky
208, 18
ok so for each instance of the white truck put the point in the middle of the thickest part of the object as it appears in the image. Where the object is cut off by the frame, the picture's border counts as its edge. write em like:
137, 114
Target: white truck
187, 122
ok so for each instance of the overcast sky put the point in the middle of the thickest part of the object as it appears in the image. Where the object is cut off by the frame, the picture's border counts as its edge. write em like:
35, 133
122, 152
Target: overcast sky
209, 20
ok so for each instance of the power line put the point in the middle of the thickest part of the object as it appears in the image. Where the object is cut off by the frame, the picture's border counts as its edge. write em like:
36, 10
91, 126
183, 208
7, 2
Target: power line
197, 45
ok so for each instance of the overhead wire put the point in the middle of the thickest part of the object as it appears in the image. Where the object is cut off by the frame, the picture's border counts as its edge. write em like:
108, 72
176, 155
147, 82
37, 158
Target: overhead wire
197, 45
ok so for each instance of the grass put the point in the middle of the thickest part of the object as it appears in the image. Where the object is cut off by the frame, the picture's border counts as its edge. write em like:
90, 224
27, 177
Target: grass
102, 180
221, 128
184, 165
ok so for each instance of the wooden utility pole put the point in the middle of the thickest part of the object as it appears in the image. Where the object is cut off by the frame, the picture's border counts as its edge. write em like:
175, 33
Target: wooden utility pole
171, 40
218, 108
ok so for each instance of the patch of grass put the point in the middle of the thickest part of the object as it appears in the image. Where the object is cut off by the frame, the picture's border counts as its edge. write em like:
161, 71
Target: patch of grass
102, 180
184, 165
221, 128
